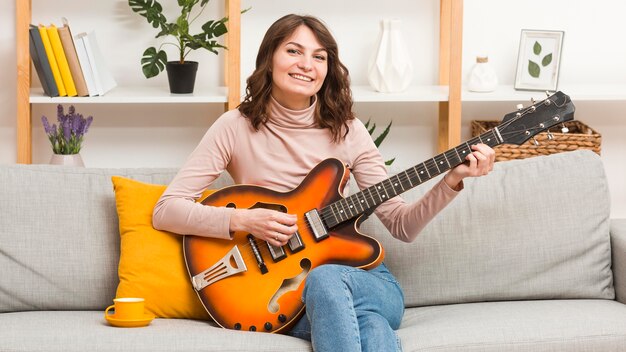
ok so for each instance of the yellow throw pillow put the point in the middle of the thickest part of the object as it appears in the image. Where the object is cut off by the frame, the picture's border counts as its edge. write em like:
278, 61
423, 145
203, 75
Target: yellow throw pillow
152, 265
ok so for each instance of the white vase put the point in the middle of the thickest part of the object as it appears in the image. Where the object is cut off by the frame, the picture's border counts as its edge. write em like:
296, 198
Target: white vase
67, 160
390, 69
482, 77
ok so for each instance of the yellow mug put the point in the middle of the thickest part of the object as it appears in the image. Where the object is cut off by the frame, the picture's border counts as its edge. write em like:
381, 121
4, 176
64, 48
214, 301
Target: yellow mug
128, 308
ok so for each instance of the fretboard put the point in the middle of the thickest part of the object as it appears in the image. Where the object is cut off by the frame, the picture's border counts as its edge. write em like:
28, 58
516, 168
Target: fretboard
368, 199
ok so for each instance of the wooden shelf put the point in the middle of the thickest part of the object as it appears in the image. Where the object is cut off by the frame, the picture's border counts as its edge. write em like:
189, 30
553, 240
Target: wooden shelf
137, 95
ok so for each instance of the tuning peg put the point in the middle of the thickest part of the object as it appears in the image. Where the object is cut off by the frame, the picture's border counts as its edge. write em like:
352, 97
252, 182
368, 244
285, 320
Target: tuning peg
550, 136
519, 106
564, 129
532, 101
548, 94
535, 142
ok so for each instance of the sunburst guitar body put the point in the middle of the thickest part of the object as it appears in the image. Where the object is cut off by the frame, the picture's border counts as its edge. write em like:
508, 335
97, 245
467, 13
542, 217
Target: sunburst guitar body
258, 287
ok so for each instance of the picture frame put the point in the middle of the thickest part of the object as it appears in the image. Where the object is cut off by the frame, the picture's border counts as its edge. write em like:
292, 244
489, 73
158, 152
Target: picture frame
539, 60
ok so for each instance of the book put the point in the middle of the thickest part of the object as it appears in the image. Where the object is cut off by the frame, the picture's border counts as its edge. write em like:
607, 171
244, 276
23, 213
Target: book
59, 54
72, 59
103, 79
41, 63
85, 65
51, 59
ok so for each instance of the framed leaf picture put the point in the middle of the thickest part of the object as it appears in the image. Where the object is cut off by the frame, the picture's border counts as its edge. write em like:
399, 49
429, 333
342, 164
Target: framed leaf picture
539, 60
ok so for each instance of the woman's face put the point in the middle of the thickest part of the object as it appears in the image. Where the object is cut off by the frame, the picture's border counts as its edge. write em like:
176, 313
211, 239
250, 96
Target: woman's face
299, 66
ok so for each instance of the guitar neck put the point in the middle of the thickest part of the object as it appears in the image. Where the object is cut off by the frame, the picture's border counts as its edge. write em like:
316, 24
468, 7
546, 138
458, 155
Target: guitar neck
368, 199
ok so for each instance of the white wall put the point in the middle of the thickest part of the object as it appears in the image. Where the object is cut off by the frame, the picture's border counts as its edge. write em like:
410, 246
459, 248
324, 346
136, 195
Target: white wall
129, 135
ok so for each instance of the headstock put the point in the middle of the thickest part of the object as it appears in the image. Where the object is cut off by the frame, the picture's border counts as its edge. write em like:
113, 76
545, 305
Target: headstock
519, 126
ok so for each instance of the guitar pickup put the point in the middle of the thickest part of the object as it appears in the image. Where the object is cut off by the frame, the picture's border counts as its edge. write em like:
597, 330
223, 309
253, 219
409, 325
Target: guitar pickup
295, 243
277, 253
316, 225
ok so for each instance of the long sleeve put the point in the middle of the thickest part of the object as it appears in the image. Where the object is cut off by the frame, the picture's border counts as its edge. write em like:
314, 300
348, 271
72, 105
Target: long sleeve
403, 220
177, 210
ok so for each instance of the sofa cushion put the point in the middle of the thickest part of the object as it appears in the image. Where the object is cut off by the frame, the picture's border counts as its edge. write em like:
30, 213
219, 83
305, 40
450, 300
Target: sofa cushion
59, 239
519, 326
532, 229
79, 331
151, 261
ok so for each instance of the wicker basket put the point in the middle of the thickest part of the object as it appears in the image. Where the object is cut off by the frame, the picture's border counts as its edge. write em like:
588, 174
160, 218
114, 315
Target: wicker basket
579, 136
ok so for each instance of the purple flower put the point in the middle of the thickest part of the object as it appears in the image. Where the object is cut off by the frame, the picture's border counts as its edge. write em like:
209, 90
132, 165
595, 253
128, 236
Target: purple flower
88, 123
67, 132
68, 137
46, 125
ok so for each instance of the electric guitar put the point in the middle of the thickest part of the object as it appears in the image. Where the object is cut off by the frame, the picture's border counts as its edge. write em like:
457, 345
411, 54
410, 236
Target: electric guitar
248, 284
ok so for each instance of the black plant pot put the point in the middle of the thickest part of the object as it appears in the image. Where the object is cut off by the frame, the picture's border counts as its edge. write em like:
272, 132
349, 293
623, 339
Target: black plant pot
182, 77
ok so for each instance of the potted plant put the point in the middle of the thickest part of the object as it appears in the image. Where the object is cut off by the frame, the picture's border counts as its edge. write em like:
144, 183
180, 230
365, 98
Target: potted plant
67, 137
181, 73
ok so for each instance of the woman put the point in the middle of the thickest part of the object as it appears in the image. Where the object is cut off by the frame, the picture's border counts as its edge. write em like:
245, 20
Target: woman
296, 113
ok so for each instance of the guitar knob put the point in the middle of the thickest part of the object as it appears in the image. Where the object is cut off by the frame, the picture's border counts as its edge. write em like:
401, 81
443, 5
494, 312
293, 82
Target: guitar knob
268, 326
282, 318
237, 326
535, 142
252, 328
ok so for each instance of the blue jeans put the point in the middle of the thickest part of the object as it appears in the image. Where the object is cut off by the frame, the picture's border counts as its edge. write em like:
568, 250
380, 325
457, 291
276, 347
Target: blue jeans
349, 309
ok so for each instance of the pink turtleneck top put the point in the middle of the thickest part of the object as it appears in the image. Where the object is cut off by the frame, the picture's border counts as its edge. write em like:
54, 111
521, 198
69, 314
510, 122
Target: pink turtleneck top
278, 157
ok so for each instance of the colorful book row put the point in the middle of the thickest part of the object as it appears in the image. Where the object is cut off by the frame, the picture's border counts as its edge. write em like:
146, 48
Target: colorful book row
69, 65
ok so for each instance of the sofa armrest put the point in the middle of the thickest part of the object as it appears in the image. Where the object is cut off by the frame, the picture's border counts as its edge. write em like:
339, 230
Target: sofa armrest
618, 249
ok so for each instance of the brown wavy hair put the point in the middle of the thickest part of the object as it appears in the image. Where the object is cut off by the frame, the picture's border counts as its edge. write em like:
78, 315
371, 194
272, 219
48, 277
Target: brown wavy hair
334, 105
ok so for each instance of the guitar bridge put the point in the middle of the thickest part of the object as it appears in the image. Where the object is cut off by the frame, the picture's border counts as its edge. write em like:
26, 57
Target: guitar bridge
220, 270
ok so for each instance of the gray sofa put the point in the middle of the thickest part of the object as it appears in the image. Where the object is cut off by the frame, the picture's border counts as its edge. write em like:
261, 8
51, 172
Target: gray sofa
525, 259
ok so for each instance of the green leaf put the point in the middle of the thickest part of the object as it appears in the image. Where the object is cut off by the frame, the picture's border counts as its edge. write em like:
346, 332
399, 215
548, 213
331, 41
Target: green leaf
214, 29
368, 123
382, 136
533, 69
151, 10
546, 60
371, 130
537, 48
183, 25
153, 62
389, 162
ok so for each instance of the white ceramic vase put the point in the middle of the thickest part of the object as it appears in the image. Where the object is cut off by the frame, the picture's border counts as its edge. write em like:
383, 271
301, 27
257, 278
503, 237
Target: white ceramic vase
67, 160
482, 77
390, 69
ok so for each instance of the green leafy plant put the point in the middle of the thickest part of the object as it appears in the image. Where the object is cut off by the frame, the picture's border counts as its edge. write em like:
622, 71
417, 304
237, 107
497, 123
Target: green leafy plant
534, 70
381, 137
154, 60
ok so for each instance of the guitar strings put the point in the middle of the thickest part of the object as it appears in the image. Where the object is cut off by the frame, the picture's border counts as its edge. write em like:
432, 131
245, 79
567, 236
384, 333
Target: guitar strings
328, 212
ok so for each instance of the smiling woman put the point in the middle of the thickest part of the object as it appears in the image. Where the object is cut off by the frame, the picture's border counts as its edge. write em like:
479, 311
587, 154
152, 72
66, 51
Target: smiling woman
296, 122
299, 68
306, 44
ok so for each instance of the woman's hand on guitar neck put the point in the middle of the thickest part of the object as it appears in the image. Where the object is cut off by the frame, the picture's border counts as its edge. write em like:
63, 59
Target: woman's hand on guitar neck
478, 163
265, 224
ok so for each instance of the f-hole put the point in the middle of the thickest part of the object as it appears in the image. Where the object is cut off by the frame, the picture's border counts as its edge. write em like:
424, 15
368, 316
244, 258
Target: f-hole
290, 284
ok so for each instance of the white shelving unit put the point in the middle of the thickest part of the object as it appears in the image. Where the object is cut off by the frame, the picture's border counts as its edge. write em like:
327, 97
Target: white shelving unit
366, 94
137, 95
447, 94
576, 92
